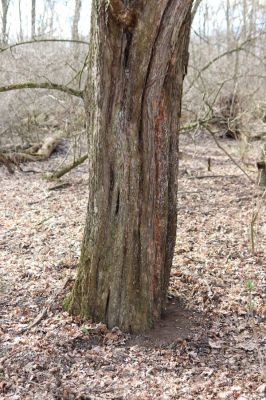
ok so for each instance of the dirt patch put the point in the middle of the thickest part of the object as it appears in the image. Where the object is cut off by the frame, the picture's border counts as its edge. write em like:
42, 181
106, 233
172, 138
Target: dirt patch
178, 324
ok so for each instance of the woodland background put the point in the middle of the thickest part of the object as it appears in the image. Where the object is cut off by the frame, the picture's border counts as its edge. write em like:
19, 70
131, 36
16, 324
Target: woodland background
211, 348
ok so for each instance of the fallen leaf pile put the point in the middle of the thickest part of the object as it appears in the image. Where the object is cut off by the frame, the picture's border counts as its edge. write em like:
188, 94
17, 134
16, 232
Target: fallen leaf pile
211, 342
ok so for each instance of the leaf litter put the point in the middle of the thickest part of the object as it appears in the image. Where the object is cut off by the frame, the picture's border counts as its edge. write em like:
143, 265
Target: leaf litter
210, 343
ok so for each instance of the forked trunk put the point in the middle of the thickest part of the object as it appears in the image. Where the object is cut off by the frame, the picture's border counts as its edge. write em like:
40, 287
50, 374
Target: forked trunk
137, 63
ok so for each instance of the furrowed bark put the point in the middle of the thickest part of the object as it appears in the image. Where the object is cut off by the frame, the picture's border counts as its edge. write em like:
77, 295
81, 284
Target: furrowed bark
135, 87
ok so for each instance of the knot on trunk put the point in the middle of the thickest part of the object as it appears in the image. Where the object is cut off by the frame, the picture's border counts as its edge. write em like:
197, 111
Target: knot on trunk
125, 16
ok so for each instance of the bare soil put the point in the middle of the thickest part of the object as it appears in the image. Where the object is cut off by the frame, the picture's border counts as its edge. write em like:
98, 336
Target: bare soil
210, 343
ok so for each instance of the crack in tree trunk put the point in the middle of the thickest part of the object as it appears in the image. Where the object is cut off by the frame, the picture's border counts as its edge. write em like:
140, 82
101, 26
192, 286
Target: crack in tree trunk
106, 307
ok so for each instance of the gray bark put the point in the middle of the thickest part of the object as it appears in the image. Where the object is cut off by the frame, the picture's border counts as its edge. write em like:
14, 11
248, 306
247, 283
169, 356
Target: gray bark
228, 24
33, 19
5, 5
195, 8
76, 18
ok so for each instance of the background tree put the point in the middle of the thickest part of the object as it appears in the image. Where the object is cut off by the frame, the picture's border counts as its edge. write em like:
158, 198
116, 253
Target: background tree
137, 62
5, 5
33, 18
76, 18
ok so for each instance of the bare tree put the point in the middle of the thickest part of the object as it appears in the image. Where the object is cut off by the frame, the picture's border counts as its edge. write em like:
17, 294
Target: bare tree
245, 16
4, 33
33, 19
228, 24
20, 22
253, 17
76, 18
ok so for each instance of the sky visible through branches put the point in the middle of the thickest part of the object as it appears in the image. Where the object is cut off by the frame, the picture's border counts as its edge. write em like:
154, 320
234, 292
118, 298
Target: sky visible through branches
63, 11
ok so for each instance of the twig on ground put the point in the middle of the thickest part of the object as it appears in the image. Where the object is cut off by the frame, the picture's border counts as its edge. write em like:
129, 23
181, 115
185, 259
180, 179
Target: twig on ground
36, 321
212, 176
255, 216
46, 308
226, 152
68, 168
59, 186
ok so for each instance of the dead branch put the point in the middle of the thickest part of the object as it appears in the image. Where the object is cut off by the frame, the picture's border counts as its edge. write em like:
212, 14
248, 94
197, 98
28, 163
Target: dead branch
60, 186
255, 216
36, 321
239, 48
46, 308
42, 85
68, 168
36, 152
212, 176
226, 152
42, 41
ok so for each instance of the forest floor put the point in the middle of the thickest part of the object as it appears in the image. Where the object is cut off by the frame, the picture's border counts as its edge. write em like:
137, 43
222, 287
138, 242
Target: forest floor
211, 342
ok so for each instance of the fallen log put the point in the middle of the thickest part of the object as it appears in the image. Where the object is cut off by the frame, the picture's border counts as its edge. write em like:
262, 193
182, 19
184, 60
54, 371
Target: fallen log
6, 162
35, 152
48, 146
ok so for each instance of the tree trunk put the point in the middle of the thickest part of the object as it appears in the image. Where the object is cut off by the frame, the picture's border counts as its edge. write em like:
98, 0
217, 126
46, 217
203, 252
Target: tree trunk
228, 24
253, 18
137, 63
33, 19
245, 17
5, 5
76, 18
20, 22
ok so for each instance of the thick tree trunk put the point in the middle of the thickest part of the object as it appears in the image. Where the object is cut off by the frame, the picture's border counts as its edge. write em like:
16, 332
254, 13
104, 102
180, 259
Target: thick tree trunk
137, 64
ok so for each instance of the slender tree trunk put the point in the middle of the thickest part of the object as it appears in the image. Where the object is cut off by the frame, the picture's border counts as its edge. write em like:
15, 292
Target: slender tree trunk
253, 18
245, 15
196, 5
5, 5
205, 20
228, 24
33, 19
76, 18
51, 7
137, 63
20, 22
